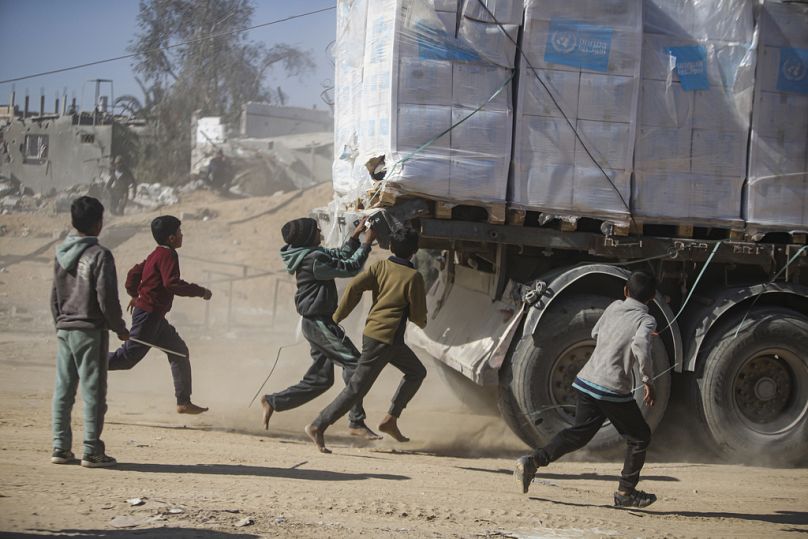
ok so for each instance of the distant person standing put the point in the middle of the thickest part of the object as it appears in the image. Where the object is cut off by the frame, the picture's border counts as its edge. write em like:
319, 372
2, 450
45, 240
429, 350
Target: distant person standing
220, 172
120, 182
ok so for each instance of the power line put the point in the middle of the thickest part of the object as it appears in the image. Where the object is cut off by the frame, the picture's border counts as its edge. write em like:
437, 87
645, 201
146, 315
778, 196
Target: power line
203, 38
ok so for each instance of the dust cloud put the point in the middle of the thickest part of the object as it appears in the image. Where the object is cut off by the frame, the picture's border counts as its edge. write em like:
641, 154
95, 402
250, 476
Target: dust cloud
234, 338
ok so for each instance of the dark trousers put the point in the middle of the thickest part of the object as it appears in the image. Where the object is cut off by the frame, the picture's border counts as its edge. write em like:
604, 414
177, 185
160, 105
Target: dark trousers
375, 356
118, 201
155, 329
590, 413
329, 345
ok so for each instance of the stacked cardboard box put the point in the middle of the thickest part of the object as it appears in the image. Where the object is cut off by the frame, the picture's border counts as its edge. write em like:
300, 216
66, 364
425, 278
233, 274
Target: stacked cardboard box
695, 107
581, 75
435, 98
777, 196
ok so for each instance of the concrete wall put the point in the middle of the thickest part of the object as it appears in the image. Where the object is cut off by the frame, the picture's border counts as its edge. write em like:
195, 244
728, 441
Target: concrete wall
76, 153
261, 120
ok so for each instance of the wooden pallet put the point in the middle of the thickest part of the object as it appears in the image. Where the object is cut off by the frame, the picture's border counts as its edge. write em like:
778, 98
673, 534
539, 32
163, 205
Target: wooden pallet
495, 212
646, 227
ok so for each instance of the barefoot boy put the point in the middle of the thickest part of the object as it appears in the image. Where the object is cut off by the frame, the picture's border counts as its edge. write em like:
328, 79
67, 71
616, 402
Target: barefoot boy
315, 269
604, 391
84, 304
152, 284
398, 295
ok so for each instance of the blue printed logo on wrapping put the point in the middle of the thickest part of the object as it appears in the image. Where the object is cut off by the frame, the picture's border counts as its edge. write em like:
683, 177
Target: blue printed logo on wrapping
691, 66
793, 73
578, 45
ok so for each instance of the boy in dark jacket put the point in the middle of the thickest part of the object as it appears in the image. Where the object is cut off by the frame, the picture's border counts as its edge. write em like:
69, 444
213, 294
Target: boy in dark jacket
398, 295
604, 391
315, 269
152, 284
84, 304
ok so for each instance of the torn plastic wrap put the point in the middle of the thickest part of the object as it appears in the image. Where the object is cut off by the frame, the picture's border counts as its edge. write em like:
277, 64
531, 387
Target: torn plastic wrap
777, 196
430, 90
586, 55
697, 86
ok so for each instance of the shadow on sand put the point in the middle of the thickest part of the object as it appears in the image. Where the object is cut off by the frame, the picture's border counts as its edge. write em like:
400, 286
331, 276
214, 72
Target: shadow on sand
147, 533
589, 476
256, 471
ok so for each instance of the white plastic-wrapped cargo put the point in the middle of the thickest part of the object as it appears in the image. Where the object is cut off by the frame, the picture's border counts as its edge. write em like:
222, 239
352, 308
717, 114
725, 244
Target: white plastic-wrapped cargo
429, 89
777, 196
586, 55
349, 55
695, 107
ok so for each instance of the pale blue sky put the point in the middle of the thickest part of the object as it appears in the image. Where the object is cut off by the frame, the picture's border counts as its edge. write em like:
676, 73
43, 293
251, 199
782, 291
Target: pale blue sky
40, 35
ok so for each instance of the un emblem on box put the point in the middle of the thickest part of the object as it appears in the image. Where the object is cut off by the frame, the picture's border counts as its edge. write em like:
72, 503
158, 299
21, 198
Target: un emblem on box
793, 73
577, 44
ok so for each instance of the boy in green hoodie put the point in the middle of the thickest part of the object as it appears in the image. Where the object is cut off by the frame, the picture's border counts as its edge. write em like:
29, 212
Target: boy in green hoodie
84, 304
315, 269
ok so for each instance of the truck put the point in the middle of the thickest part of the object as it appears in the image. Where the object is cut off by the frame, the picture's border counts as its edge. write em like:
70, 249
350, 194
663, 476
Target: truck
544, 151
512, 307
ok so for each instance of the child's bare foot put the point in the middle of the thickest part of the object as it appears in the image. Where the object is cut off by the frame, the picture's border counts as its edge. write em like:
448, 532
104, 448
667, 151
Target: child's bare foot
362, 431
190, 408
317, 437
268, 409
389, 425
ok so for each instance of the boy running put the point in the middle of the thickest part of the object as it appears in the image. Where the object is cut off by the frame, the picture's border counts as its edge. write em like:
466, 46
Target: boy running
398, 295
604, 390
84, 304
152, 284
315, 269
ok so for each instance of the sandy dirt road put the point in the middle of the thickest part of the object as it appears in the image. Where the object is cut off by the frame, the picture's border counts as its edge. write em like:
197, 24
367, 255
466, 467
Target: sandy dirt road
217, 469
200, 476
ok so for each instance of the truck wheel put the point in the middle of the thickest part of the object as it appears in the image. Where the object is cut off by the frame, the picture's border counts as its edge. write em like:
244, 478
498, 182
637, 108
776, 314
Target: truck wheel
752, 390
514, 417
543, 369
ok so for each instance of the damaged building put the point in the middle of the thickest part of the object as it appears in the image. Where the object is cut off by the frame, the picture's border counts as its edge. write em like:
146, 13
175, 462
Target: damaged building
46, 151
276, 148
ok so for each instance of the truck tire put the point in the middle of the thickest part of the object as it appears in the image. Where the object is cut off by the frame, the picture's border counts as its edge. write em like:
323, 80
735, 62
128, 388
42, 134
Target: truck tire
751, 391
543, 367
514, 417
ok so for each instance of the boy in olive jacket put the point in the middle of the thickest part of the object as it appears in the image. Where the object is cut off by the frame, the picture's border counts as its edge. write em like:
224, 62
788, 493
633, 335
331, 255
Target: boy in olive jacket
398, 295
315, 269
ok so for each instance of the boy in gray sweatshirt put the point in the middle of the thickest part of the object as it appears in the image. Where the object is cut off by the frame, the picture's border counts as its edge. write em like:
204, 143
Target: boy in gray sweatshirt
604, 391
84, 304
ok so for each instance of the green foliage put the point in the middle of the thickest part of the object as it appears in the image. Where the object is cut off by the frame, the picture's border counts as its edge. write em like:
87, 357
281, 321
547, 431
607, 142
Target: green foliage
207, 76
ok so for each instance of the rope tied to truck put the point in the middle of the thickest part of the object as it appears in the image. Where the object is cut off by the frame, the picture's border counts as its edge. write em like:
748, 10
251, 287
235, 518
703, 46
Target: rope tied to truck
765, 285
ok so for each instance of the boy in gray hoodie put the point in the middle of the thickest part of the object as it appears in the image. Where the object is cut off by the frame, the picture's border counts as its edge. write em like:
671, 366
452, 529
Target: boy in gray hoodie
604, 391
84, 304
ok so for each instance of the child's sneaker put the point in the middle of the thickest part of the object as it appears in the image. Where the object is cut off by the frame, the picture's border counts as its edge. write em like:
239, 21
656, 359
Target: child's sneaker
98, 461
635, 498
524, 472
190, 408
62, 457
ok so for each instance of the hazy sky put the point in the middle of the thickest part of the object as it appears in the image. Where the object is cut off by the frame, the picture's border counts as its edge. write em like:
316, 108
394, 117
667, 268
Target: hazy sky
40, 35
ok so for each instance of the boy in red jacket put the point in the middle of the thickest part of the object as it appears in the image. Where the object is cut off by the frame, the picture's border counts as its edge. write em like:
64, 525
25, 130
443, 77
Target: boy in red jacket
152, 284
